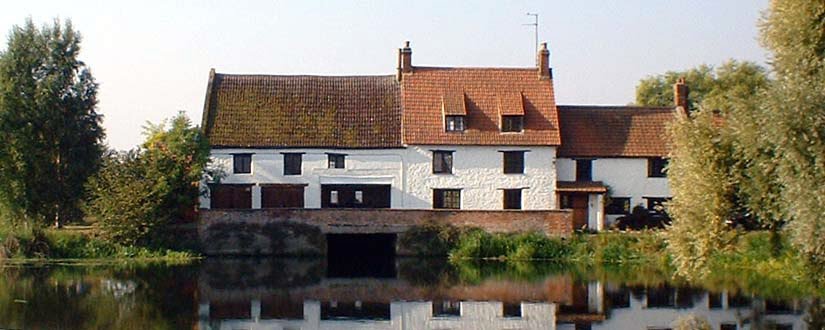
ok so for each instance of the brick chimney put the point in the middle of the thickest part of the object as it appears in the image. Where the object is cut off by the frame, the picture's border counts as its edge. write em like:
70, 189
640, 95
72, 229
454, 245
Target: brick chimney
680, 94
404, 60
543, 62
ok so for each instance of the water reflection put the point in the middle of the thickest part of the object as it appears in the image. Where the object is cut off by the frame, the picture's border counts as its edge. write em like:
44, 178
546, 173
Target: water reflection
406, 294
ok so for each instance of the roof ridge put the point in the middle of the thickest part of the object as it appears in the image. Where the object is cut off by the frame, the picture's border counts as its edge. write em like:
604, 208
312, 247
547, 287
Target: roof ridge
613, 107
520, 68
302, 75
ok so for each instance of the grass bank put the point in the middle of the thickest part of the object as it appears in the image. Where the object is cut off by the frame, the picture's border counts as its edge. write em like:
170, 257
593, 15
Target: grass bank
26, 244
758, 261
602, 248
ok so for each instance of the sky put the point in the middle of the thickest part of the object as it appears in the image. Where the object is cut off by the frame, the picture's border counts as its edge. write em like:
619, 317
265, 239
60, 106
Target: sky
152, 58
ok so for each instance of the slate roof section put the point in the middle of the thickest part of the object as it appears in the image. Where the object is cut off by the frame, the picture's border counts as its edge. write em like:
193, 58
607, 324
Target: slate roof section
581, 186
423, 92
614, 131
265, 111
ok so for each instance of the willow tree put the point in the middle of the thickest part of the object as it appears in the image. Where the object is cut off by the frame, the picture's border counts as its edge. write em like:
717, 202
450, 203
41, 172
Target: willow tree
794, 31
49, 128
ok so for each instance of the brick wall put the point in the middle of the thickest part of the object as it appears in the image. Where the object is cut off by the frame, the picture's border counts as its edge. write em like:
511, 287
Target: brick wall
302, 231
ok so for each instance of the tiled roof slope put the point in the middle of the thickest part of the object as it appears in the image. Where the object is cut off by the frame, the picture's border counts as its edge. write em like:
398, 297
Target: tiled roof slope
424, 90
260, 111
608, 131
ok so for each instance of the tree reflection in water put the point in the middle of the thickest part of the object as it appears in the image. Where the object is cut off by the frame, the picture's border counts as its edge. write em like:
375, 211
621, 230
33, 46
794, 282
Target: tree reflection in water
221, 291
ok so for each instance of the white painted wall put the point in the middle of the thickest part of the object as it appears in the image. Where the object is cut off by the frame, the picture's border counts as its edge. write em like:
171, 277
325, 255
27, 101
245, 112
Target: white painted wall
626, 177
367, 166
477, 170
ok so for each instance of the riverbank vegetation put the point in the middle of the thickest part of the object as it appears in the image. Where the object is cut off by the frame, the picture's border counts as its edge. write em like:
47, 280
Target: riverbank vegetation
65, 244
766, 260
55, 169
749, 152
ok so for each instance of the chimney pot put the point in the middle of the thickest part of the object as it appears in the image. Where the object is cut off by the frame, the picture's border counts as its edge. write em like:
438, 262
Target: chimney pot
680, 94
543, 62
404, 61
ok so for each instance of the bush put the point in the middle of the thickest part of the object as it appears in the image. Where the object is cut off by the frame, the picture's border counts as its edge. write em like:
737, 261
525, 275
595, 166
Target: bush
137, 193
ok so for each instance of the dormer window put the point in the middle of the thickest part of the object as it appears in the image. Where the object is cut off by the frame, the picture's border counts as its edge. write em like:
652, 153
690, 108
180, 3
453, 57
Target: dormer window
511, 110
454, 109
454, 123
512, 123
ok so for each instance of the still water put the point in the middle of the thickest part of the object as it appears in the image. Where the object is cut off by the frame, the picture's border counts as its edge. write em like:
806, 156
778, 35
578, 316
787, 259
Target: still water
380, 294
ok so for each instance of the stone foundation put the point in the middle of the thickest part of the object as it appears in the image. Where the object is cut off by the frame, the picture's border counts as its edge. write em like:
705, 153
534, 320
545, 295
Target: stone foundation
303, 231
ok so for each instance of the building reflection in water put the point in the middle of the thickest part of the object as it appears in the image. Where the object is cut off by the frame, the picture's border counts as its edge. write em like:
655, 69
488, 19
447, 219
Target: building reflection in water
395, 315
300, 294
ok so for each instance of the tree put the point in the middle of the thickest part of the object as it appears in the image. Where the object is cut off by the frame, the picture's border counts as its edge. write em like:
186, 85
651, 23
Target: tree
48, 124
794, 117
706, 83
137, 193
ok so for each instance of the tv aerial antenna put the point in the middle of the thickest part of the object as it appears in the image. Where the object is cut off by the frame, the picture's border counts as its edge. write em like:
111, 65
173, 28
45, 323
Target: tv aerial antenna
535, 26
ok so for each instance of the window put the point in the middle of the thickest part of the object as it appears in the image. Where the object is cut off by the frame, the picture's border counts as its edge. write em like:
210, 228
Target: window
512, 123
333, 197
336, 160
512, 199
292, 164
446, 198
656, 167
359, 197
657, 204
584, 170
454, 123
442, 162
565, 201
282, 195
242, 163
230, 196
618, 205
513, 162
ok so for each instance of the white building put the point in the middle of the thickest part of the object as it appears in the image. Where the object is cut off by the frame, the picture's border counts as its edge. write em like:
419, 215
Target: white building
614, 152
454, 138
430, 138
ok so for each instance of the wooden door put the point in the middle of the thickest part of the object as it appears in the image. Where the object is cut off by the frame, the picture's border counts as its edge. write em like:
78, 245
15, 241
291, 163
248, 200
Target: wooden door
579, 206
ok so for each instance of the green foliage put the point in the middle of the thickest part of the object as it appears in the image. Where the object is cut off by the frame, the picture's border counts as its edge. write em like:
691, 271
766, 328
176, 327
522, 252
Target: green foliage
761, 156
794, 118
21, 243
138, 193
704, 191
429, 239
50, 131
707, 84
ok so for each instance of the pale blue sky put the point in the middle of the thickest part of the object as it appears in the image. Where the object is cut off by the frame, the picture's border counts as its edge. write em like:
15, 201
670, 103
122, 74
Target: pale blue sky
152, 58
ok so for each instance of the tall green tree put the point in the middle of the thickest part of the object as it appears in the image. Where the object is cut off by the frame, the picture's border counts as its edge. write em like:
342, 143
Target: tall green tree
713, 177
50, 129
794, 117
138, 193
706, 83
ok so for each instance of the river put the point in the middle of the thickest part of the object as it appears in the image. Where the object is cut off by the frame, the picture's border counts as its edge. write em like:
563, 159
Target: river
253, 293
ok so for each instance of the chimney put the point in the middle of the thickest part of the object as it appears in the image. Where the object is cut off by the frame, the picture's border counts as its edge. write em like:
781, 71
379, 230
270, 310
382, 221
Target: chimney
404, 60
680, 94
543, 62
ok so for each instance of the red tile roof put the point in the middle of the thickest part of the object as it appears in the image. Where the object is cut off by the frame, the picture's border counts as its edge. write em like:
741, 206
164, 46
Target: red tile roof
454, 103
614, 131
425, 88
259, 111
